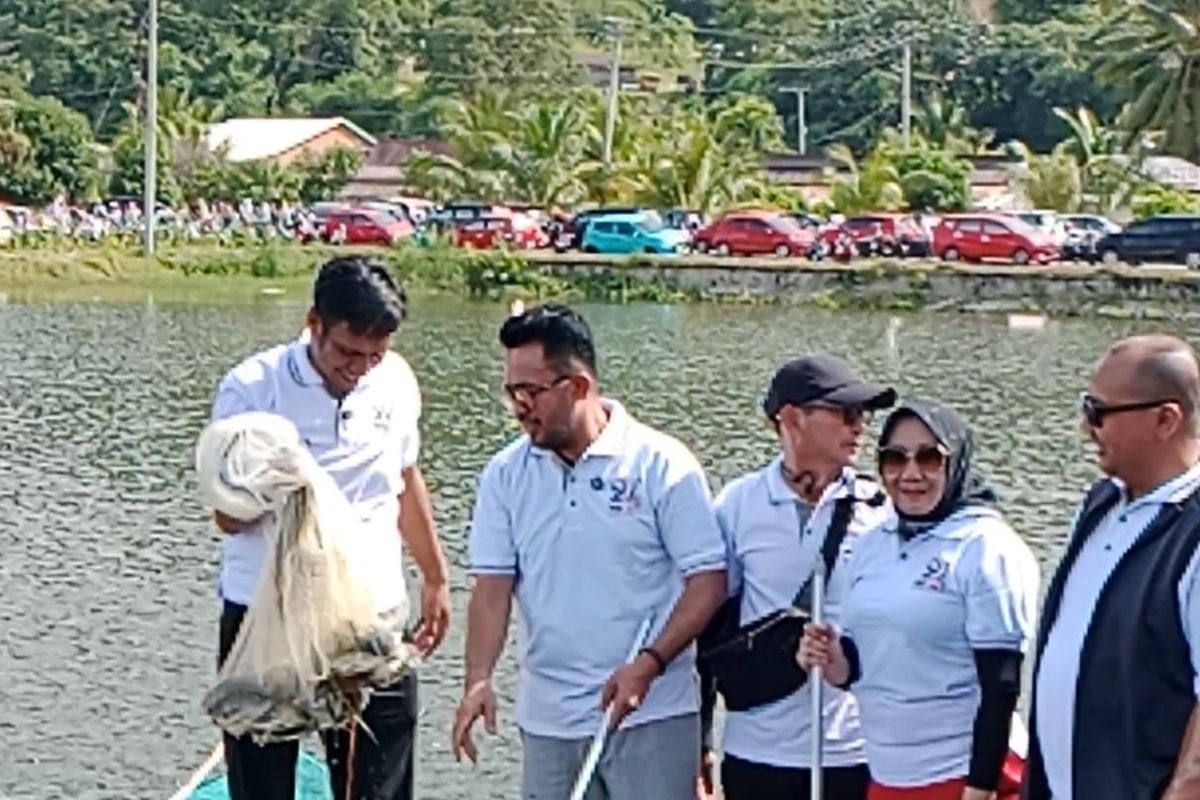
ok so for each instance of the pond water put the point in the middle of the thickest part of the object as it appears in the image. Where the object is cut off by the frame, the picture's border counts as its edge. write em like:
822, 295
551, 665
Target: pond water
107, 561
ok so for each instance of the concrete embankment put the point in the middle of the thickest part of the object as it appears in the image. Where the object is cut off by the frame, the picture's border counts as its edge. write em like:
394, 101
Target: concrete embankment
1065, 289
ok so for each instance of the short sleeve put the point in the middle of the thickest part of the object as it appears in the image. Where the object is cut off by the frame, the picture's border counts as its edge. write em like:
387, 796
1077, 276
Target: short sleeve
491, 548
1002, 580
724, 509
408, 415
1189, 608
686, 520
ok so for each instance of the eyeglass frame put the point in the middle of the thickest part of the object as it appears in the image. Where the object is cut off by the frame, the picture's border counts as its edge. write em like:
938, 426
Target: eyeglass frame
513, 392
1094, 411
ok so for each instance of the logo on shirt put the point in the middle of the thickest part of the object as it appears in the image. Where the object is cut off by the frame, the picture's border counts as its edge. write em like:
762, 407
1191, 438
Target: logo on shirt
934, 576
383, 418
623, 495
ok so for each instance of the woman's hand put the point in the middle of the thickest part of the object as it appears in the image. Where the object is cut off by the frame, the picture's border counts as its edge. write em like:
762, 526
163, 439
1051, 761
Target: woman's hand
821, 647
971, 793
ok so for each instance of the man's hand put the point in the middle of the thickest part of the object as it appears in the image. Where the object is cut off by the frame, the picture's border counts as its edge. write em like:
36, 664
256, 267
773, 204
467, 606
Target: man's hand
627, 688
971, 793
435, 616
478, 701
232, 525
704, 784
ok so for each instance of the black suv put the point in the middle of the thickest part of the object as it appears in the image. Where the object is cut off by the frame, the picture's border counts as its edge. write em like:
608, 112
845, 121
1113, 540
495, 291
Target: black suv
1168, 238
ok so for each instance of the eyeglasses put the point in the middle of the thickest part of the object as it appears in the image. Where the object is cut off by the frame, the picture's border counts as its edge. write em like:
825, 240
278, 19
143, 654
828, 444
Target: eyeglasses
1094, 411
929, 458
851, 415
527, 393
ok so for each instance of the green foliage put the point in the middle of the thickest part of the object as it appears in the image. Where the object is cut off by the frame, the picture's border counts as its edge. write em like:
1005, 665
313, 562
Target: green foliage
934, 180
1152, 200
45, 150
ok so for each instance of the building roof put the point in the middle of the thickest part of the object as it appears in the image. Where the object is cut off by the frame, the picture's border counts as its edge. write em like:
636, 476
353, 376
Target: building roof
250, 139
394, 152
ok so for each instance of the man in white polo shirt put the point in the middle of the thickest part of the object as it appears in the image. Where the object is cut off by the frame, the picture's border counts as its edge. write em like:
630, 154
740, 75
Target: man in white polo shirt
1115, 715
356, 405
807, 504
596, 523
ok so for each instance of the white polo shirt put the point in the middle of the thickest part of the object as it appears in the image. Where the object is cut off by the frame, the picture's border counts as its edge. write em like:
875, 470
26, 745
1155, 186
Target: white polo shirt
917, 610
595, 549
364, 440
774, 540
1058, 667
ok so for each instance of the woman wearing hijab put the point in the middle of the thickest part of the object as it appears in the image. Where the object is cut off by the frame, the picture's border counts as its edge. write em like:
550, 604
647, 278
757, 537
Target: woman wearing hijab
940, 610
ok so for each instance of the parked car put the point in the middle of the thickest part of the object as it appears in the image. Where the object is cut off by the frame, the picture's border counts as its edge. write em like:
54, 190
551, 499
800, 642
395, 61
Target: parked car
979, 237
570, 235
1084, 232
1167, 237
364, 226
1048, 222
518, 231
881, 234
755, 233
6, 226
633, 233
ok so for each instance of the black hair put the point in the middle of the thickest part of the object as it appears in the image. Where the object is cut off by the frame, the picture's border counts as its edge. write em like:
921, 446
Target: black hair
561, 331
360, 292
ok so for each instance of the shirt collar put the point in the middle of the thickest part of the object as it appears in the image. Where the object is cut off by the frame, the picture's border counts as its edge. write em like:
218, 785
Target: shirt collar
299, 364
612, 440
951, 527
779, 492
1175, 490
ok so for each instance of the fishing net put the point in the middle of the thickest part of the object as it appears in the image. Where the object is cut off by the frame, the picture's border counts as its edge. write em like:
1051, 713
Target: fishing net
312, 645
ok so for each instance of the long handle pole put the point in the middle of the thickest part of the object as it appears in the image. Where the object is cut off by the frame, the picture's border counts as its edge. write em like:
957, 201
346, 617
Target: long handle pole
593, 756
149, 202
815, 688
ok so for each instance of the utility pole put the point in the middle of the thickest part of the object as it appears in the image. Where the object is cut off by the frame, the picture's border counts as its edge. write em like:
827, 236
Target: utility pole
149, 202
906, 96
801, 117
614, 88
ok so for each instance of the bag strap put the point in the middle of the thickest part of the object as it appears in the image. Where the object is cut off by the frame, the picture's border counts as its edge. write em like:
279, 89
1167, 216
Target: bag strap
839, 524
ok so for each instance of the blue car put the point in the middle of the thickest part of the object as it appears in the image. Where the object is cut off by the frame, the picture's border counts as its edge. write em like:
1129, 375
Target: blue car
618, 234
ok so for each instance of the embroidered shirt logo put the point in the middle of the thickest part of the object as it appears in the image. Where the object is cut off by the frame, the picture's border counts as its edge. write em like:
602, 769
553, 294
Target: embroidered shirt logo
383, 418
934, 576
623, 495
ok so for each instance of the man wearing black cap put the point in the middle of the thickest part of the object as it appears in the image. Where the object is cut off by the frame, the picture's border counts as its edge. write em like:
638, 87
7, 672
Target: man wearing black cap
807, 504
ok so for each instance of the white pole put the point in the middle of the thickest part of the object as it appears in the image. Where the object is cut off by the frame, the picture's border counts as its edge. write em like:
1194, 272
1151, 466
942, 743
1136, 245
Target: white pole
906, 96
593, 756
614, 88
815, 680
149, 201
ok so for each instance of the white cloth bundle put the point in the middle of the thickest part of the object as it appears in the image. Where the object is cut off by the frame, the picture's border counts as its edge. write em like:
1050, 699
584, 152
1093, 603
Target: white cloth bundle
311, 646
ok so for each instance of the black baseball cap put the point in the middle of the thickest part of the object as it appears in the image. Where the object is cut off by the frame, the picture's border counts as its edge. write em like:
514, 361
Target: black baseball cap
824, 379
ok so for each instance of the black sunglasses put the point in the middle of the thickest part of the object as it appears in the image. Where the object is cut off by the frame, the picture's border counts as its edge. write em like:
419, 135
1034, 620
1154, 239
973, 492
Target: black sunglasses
851, 415
528, 393
1094, 411
929, 458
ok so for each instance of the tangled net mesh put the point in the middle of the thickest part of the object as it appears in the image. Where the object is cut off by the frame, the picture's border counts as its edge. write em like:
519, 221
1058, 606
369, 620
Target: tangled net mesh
312, 646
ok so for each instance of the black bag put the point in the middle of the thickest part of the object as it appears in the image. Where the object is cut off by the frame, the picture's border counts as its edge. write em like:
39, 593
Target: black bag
755, 664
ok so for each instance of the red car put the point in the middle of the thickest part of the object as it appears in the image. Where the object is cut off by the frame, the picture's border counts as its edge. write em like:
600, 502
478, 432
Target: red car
754, 233
976, 237
364, 226
888, 234
518, 231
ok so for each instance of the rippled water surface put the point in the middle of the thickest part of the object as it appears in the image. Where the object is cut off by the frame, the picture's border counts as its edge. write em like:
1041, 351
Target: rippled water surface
107, 564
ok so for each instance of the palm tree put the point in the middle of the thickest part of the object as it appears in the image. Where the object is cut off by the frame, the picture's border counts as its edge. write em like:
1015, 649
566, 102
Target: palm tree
1110, 161
872, 185
1053, 181
944, 125
1155, 50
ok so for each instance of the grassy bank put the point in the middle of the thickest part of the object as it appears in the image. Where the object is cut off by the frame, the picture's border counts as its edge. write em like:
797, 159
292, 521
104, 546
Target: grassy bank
105, 270
243, 273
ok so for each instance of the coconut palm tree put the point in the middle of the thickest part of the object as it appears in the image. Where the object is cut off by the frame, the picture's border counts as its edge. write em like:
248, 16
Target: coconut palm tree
944, 125
1053, 181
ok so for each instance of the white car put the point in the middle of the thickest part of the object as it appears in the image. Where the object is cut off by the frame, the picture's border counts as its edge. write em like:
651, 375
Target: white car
6, 227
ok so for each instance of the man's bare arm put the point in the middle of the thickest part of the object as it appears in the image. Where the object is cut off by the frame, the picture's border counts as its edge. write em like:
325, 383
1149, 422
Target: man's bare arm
232, 525
487, 625
1185, 783
419, 532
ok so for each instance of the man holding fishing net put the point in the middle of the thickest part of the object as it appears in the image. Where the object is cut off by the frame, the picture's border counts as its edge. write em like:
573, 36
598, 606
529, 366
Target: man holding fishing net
602, 529
355, 404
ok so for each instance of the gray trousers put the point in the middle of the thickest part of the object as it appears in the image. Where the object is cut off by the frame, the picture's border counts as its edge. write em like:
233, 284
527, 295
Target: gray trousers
656, 761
